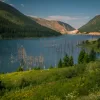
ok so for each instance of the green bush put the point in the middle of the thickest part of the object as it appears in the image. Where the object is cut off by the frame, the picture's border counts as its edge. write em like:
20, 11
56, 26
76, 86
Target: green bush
23, 83
20, 69
2, 88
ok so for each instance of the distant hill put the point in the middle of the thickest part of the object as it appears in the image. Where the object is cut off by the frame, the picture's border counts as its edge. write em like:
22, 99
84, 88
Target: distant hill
58, 26
14, 24
92, 26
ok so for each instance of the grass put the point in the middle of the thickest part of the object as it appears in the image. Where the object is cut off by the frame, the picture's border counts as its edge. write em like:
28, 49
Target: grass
80, 82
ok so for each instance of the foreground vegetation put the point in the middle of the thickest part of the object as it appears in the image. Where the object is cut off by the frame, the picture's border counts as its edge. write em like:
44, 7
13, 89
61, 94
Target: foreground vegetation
78, 82
66, 82
91, 44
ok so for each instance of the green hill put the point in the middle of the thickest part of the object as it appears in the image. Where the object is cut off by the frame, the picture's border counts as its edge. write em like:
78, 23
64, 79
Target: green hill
80, 82
14, 24
92, 26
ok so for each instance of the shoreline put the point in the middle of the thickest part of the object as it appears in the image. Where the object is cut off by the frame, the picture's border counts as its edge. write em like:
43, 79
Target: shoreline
28, 38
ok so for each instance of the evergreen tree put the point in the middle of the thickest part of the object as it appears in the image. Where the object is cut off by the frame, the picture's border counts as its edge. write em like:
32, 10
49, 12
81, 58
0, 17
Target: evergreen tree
81, 56
71, 62
98, 45
60, 64
66, 61
92, 55
86, 58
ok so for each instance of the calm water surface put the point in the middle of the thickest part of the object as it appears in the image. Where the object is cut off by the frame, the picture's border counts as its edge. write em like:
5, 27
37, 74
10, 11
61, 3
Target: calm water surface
42, 52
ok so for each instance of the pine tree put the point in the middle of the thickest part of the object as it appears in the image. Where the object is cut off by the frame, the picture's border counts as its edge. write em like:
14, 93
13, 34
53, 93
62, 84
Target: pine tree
98, 45
66, 61
71, 62
60, 64
92, 55
81, 56
86, 58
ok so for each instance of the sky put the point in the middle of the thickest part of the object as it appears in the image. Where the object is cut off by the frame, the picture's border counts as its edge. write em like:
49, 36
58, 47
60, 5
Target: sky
74, 12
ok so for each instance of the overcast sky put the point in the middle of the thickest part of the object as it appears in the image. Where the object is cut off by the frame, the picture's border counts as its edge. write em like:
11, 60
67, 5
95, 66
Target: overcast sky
74, 12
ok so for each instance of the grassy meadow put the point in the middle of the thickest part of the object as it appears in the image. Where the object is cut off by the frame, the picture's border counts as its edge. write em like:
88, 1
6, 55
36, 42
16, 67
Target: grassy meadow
79, 82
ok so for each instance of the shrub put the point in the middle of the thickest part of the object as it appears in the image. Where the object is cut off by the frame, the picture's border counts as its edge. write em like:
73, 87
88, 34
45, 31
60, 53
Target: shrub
51, 67
37, 68
2, 88
23, 83
20, 69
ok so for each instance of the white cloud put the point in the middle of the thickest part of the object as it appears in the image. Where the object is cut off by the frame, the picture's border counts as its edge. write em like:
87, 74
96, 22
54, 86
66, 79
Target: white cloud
65, 18
22, 5
12, 5
3, 0
33, 16
60, 18
75, 21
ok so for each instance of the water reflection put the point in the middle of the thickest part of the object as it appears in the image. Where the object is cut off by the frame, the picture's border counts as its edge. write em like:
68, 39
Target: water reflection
42, 52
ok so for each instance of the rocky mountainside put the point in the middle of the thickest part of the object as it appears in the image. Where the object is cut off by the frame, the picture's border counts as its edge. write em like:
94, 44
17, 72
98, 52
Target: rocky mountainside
58, 26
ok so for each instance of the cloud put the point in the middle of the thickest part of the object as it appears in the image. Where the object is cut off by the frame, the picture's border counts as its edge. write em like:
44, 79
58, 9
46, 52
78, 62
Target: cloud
58, 17
12, 5
75, 21
33, 16
22, 5
65, 18
3, 0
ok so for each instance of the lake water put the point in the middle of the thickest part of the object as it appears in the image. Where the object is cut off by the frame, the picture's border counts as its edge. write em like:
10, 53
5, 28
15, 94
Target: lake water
42, 52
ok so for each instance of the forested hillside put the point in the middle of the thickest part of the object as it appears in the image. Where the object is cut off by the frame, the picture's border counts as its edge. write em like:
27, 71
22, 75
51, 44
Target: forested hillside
92, 26
14, 24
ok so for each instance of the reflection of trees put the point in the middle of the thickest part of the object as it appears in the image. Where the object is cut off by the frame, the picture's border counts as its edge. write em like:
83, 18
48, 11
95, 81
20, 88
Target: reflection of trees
22, 54
29, 61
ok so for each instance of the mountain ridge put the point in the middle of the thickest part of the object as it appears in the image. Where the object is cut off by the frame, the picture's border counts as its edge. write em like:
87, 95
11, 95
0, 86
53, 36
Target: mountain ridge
58, 26
18, 25
93, 26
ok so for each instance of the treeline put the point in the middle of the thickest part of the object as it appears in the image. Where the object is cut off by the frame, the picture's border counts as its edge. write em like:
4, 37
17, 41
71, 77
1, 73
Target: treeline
67, 61
83, 57
11, 30
96, 43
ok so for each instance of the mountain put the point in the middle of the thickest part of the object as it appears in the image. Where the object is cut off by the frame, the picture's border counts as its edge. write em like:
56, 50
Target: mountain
92, 26
58, 26
14, 24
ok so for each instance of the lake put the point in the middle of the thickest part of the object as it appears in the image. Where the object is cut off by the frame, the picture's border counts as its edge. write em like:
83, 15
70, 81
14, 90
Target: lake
42, 52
